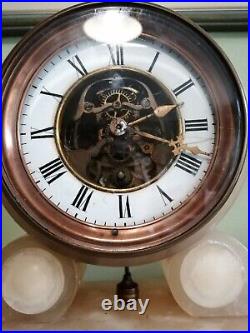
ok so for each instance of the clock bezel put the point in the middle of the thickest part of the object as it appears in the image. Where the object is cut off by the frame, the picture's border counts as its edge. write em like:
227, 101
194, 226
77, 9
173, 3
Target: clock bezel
93, 244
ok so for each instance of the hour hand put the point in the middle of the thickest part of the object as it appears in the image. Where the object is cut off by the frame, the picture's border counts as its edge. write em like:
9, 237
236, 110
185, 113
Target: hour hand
178, 146
90, 107
195, 150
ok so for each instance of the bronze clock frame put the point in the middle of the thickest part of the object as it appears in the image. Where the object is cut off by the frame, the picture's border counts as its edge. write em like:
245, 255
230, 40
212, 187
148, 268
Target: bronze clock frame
117, 246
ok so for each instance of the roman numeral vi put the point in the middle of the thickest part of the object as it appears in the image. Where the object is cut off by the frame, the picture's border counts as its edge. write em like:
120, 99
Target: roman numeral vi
124, 207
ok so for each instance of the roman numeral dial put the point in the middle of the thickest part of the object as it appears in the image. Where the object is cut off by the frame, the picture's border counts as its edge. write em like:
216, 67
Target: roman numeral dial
68, 139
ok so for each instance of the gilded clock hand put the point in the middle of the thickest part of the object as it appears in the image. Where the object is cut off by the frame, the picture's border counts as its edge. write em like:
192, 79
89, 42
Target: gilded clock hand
159, 112
151, 136
178, 145
195, 150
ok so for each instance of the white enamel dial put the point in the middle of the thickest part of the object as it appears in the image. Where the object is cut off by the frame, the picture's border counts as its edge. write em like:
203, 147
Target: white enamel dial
78, 199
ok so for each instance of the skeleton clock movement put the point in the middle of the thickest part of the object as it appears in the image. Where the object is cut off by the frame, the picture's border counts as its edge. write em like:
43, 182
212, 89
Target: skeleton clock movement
124, 131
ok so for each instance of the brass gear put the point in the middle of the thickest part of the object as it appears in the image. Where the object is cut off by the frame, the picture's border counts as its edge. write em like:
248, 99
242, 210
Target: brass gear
118, 96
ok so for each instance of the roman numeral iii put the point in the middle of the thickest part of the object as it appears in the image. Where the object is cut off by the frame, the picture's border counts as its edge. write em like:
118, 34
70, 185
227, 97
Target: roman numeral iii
77, 64
188, 164
196, 125
124, 207
116, 54
53, 170
183, 87
44, 133
82, 198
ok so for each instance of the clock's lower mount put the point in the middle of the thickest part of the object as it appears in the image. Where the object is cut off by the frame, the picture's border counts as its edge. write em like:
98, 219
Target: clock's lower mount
99, 129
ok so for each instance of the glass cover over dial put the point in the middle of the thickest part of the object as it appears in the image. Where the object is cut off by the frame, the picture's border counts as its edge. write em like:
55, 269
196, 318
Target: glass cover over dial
123, 128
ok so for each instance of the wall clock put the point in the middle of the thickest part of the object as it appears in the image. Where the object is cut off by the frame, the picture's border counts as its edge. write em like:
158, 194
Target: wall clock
124, 131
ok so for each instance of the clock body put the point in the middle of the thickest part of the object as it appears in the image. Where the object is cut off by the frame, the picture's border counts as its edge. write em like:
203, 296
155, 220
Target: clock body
124, 132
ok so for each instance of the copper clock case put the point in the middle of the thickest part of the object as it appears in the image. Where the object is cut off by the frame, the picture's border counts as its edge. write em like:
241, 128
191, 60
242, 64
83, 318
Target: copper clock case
130, 245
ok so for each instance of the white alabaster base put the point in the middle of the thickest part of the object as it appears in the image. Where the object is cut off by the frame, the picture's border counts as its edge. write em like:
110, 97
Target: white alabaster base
210, 277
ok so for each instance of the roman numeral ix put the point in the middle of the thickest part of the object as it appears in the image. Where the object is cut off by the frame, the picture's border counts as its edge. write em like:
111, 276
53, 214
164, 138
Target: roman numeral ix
53, 170
116, 54
164, 196
124, 207
196, 125
77, 64
183, 87
188, 164
82, 198
44, 133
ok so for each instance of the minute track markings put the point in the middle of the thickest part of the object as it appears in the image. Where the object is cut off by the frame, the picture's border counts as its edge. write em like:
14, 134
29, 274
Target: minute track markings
40, 132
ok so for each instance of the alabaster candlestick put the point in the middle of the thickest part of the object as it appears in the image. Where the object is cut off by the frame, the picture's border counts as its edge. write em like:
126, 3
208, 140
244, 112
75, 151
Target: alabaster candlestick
38, 283
210, 278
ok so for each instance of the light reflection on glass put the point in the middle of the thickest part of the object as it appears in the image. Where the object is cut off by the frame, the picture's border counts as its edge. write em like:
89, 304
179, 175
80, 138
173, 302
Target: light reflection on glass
112, 27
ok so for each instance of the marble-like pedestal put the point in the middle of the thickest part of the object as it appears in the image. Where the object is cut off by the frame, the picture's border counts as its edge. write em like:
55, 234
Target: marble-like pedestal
162, 313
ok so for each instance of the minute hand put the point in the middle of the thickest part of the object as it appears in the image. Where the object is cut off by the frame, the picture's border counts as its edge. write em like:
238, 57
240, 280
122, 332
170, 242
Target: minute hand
159, 112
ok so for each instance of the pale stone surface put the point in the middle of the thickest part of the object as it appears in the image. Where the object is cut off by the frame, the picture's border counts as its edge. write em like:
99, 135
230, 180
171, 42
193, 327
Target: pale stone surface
33, 280
162, 313
212, 275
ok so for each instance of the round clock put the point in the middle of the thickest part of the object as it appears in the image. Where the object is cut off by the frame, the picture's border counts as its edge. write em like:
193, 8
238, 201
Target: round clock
124, 131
